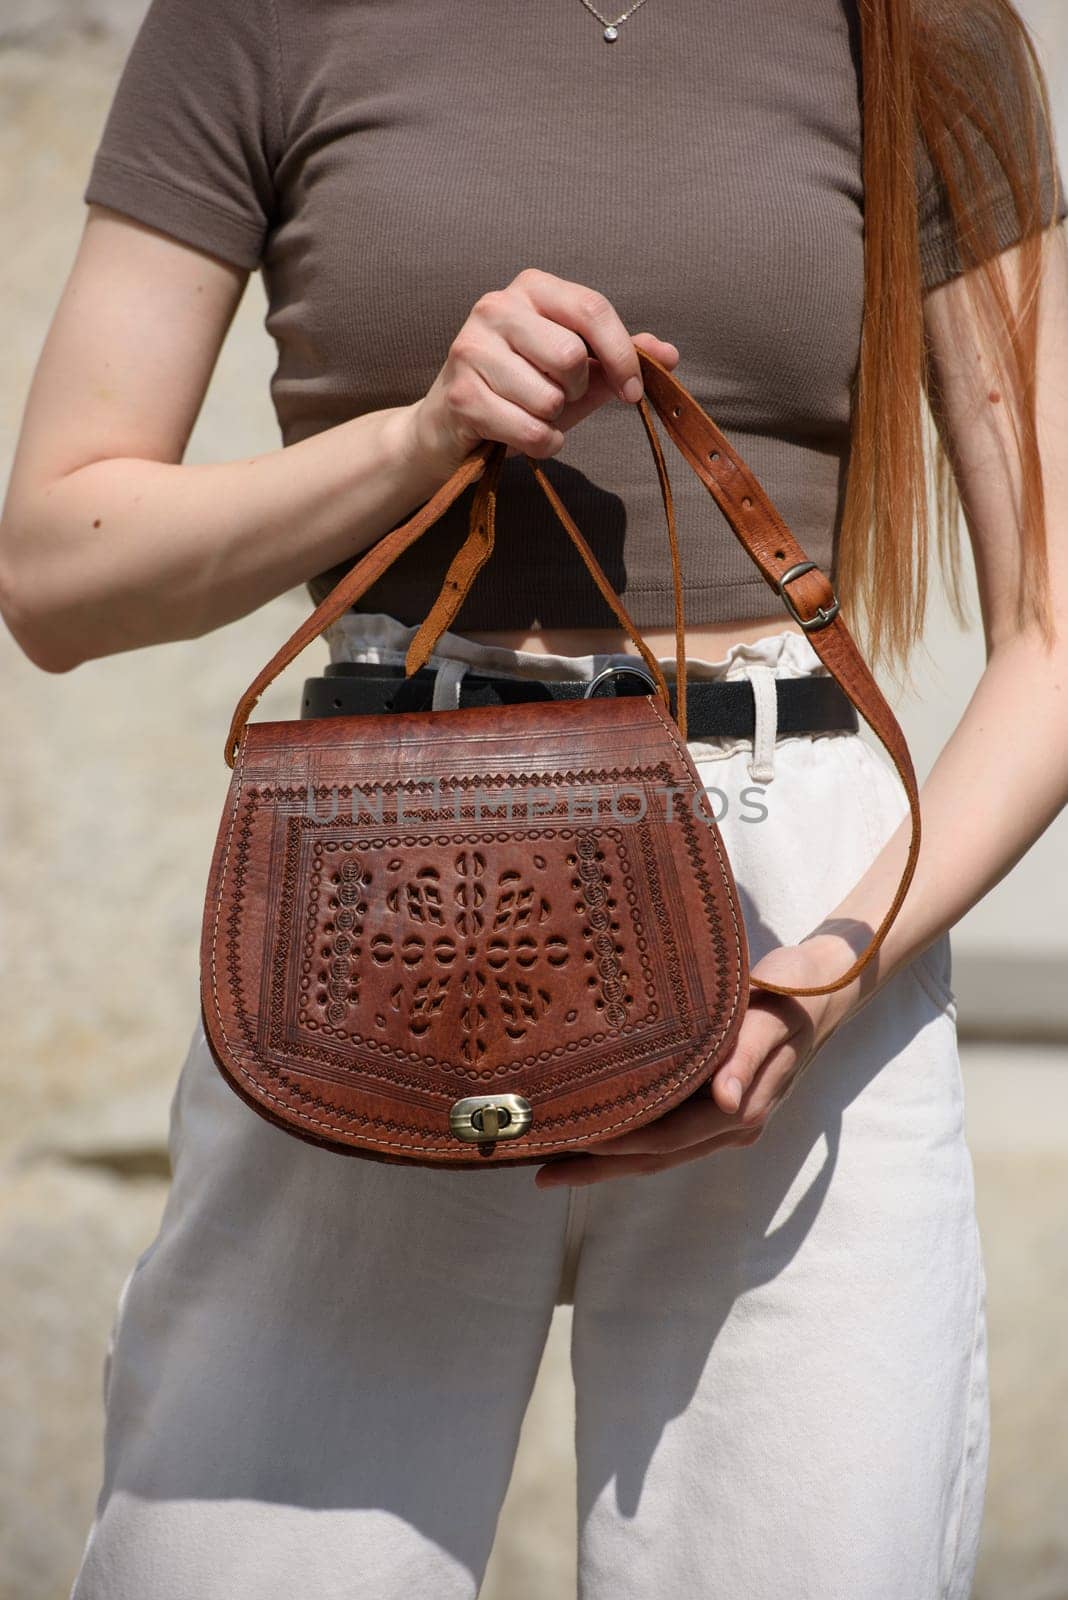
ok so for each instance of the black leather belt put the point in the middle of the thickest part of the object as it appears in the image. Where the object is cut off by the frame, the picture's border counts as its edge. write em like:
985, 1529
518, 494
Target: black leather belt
715, 708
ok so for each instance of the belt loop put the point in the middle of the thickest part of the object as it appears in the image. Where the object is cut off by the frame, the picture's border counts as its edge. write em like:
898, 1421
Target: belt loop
765, 695
446, 695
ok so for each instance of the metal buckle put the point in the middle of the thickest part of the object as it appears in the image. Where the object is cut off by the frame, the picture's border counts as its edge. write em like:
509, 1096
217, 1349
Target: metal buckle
490, 1116
638, 670
822, 617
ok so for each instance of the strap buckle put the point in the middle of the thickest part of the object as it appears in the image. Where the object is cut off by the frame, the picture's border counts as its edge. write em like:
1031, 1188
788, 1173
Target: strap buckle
822, 617
624, 669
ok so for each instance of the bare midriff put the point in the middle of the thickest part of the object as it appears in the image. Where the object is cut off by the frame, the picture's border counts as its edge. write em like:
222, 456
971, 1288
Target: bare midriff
708, 641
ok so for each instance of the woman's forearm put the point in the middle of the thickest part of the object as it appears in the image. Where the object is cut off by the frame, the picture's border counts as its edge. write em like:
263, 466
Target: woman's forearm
999, 782
124, 552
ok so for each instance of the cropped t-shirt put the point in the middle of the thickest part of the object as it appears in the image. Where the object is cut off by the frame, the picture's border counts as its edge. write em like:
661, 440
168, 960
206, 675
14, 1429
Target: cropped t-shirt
383, 163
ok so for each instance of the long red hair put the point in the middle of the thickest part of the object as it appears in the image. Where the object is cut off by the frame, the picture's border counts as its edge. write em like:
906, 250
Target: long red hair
926, 68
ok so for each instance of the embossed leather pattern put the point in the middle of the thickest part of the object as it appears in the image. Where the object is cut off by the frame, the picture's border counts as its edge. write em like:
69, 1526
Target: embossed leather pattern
525, 909
367, 967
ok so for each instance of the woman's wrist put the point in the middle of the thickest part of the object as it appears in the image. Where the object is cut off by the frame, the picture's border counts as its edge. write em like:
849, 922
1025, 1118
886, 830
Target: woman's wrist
421, 459
817, 960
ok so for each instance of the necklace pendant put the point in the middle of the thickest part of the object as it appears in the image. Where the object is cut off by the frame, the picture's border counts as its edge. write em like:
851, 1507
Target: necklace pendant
611, 33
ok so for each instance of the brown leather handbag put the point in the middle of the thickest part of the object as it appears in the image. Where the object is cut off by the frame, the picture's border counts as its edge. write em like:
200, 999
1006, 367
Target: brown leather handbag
493, 935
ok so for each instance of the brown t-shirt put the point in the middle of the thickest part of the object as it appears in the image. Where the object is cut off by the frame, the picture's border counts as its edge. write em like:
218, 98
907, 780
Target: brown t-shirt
384, 162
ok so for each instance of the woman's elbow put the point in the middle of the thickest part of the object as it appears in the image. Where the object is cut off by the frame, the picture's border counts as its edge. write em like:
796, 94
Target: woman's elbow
34, 626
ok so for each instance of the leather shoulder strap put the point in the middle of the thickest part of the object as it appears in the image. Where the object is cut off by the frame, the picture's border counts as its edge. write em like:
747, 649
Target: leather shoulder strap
807, 594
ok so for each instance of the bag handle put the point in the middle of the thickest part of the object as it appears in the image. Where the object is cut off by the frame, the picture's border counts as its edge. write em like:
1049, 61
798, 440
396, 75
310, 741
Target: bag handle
804, 590
478, 547
482, 465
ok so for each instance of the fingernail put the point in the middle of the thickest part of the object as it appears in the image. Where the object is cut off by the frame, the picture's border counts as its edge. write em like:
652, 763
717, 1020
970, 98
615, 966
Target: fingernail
734, 1091
632, 389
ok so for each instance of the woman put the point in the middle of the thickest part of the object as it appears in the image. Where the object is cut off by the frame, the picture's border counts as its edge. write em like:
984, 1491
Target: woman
319, 1367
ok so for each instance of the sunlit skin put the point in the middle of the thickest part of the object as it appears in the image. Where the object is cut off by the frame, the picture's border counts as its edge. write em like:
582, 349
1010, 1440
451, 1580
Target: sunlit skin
108, 543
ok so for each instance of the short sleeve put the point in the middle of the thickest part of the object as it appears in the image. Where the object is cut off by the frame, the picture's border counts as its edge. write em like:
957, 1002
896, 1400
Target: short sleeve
975, 42
194, 131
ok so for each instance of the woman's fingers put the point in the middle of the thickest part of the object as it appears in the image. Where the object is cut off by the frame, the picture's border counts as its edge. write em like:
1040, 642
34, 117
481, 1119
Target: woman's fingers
763, 1031
699, 1119
594, 1168
698, 1126
777, 1038
588, 312
542, 367
774, 1081
693, 1122
526, 359
530, 361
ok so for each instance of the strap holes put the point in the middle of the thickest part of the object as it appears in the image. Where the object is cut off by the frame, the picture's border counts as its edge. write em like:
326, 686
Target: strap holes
713, 455
746, 502
675, 410
780, 555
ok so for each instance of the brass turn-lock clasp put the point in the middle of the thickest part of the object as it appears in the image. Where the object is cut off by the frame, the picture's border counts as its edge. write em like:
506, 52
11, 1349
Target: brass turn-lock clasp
490, 1116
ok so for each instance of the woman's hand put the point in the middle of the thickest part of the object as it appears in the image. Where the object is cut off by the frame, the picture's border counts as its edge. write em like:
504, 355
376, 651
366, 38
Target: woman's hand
531, 360
778, 1038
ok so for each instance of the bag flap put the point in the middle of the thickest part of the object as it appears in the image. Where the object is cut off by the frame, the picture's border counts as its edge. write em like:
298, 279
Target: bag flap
408, 910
